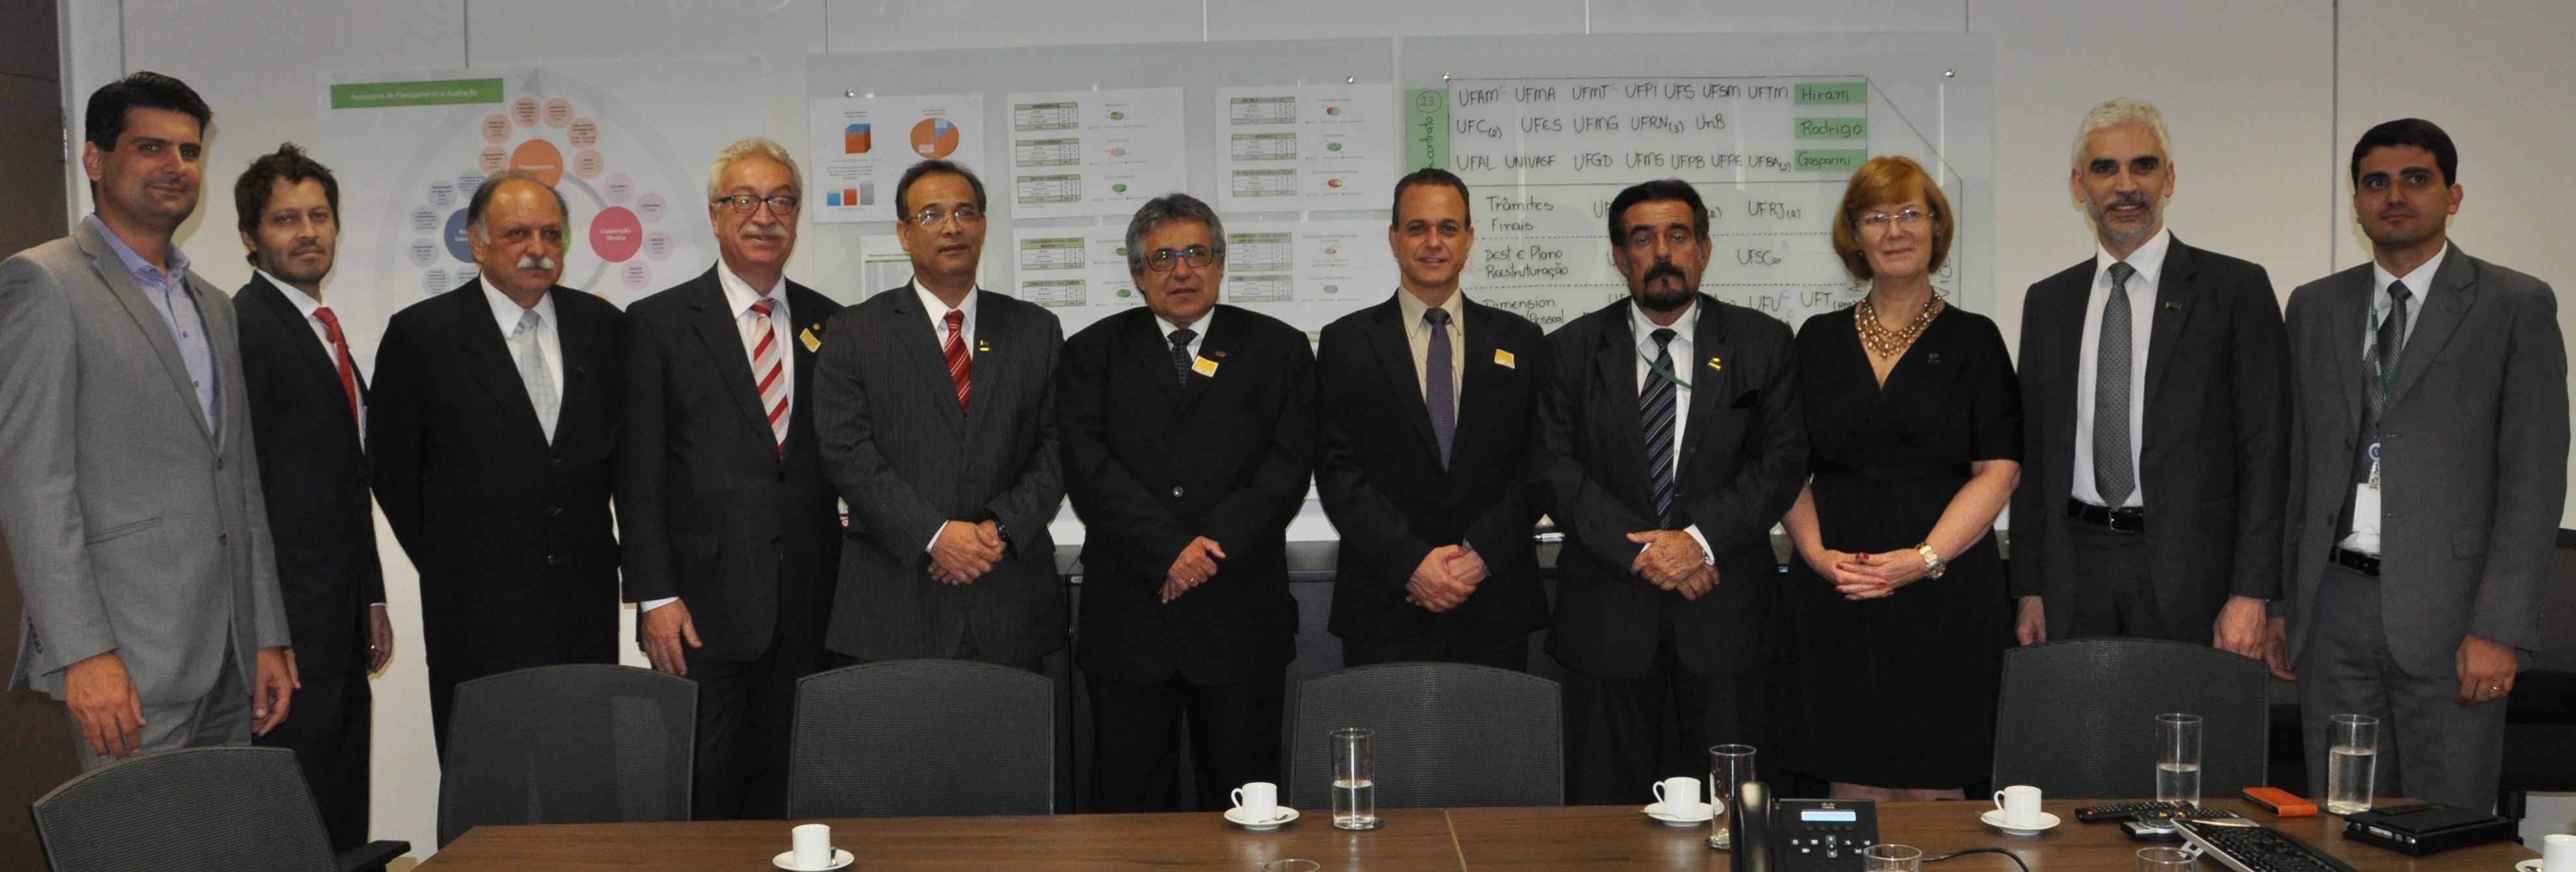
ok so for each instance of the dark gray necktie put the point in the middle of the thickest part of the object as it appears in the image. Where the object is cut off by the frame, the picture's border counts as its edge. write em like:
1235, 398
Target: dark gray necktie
2388, 347
1181, 352
1439, 388
2114, 473
1656, 404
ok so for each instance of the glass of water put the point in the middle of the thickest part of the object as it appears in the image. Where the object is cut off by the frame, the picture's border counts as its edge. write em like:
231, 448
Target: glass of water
1728, 767
2178, 758
2166, 860
1354, 788
2352, 761
1892, 858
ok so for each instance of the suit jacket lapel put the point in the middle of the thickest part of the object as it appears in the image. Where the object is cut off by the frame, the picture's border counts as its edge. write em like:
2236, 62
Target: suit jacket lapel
925, 351
1386, 333
2455, 289
264, 299
487, 353
129, 292
1616, 360
1709, 384
716, 325
2177, 293
808, 309
1480, 387
1145, 338
996, 352
1217, 348
2347, 321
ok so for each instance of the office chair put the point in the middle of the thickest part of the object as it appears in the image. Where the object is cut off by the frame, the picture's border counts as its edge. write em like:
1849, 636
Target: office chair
920, 738
2077, 718
194, 808
574, 743
1443, 734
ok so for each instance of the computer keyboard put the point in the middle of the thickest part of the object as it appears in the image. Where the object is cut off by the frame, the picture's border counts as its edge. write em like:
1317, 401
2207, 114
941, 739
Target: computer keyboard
2246, 846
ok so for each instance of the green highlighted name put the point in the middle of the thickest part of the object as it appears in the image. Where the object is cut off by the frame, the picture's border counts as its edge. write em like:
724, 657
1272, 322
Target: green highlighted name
1833, 128
1829, 93
372, 95
1830, 160
1426, 128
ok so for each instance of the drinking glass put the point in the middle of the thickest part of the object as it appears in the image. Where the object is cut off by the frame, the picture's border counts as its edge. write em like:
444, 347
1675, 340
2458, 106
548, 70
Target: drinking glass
2178, 758
1728, 767
1354, 789
2166, 860
1893, 858
2352, 761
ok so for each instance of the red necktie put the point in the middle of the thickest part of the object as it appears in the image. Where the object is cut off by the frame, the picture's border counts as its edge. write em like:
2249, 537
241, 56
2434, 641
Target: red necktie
961, 368
772, 367
340, 347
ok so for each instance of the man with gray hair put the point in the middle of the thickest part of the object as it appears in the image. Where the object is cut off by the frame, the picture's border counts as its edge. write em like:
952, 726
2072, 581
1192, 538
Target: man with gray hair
2155, 389
730, 532
1189, 435
492, 424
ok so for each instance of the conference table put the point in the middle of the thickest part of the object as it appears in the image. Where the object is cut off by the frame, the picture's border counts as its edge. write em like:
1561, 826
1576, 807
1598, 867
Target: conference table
1557, 839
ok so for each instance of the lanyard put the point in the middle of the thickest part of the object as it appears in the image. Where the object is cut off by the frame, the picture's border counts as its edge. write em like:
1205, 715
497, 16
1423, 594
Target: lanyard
2384, 370
1651, 366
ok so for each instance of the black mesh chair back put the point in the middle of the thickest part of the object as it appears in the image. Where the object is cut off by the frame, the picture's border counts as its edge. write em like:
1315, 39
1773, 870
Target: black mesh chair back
569, 744
922, 738
2077, 719
1441, 735
193, 808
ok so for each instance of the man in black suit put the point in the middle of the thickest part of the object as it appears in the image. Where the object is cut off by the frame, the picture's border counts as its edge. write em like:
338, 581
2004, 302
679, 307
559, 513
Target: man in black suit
307, 400
1426, 403
1189, 436
495, 420
730, 533
935, 404
1669, 442
2150, 493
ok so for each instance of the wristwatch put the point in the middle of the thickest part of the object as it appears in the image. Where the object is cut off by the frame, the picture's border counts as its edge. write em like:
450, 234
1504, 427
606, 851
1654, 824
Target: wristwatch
1933, 566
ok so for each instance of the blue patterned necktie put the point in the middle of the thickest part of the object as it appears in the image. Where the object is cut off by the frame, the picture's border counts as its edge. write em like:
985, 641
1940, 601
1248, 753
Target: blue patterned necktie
1439, 390
1656, 403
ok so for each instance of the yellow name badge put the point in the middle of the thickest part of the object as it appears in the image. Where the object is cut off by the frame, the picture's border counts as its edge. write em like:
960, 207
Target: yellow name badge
1204, 366
807, 337
1503, 359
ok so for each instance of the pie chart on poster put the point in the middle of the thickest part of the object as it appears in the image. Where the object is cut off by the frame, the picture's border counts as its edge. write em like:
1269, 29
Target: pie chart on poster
934, 138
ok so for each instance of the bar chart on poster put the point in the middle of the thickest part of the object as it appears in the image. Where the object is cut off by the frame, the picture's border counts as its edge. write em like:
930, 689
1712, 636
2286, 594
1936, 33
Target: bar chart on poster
1297, 145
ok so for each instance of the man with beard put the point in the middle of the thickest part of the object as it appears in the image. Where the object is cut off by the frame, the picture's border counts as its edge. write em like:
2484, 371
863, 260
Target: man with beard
129, 489
2429, 390
2155, 418
307, 405
1669, 441
496, 414
730, 533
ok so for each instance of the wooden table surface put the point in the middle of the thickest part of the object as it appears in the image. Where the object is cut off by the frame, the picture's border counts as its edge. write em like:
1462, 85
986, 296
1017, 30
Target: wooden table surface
1570, 839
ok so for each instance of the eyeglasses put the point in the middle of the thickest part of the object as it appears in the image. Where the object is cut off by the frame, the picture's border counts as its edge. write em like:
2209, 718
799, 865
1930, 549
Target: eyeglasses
1677, 237
1881, 221
747, 204
1198, 257
963, 214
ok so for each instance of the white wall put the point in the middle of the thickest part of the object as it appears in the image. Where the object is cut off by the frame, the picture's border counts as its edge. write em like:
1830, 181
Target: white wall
2263, 99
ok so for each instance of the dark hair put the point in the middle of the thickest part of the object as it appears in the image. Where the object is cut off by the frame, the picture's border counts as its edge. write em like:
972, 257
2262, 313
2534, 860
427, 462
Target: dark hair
1430, 176
2416, 132
1166, 209
481, 202
104, 120
259, 183
1657, 191
903, 189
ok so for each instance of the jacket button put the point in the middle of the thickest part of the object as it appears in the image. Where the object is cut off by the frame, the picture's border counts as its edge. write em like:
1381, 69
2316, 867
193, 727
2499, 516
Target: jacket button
223, 539
552, 511
554, 461
773, 540
782, 475
550, 560
219, 464
1176, 490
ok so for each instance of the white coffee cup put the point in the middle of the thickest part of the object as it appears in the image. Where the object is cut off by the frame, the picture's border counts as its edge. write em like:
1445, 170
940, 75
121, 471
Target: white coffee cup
1258, 800
2558, 853
2020, 805
813, 846
1679, 797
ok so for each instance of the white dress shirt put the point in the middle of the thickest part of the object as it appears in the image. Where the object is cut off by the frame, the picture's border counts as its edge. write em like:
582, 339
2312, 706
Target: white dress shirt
306, 304
2419, 284
549, 333
2149, 260
1682, 348
1417, 335
1198, 327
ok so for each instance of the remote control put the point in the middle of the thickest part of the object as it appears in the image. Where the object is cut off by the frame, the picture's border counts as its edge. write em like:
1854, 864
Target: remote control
2103, 814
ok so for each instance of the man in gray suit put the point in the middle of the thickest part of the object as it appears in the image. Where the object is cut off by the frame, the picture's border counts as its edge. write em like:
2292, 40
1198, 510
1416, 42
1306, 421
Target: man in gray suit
2428, 466
935, 407
129, 488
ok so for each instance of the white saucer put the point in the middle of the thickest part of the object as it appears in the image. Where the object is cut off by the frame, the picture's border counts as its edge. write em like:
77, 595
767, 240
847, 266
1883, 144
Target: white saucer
1235, 816
1697, 816
1995, 818
2531, 865
840, 860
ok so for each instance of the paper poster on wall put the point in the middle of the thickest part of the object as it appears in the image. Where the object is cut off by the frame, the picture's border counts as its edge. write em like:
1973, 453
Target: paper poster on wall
862, 145
1305, 147
1082, 153
884, 266
1307, 273
1079, 273
627, 144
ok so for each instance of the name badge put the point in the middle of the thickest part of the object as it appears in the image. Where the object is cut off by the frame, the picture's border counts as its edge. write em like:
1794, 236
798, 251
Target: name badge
2365, 498
807, 337
1504, 359
1204, 366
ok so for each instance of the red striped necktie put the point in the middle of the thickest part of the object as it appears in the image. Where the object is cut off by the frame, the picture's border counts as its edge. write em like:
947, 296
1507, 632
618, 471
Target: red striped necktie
961, 368
770, 362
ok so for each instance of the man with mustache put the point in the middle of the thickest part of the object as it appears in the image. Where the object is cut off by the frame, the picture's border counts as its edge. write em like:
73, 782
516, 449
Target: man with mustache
2155, 418
730, 532
2429, 393
496, 415
308, 404
1669, 440
129, 484
935, 404
1189, 436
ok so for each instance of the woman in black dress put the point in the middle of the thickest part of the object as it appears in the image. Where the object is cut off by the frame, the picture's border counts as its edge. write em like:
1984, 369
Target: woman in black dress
1897, 613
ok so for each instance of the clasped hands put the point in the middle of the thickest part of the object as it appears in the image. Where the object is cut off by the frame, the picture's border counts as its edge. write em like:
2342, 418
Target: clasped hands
1868, 576
1445, 577
1672, 560
965, 551
1194, 567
